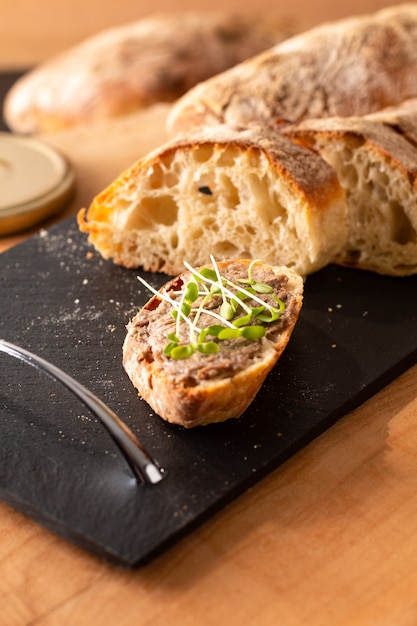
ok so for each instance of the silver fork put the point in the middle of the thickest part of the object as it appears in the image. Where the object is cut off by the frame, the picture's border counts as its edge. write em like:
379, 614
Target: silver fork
141, 463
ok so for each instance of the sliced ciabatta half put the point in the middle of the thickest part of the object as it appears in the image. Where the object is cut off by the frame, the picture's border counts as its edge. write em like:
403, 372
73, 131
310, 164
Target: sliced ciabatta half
200, 349
232, 193
375, 158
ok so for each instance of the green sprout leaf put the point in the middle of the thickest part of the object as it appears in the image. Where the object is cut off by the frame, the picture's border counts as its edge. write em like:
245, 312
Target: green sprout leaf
169, 347
257, 310
229, 333
227, 311
253, 332
206, 272
191, 292
281, 304
242, 321
245, 296
185, 310
182, 352
202, 336
269, 316
208, 347
262, 288
214, 330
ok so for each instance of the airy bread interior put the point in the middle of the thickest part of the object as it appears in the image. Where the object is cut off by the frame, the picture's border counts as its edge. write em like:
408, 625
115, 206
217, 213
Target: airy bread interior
377, 167
232, 199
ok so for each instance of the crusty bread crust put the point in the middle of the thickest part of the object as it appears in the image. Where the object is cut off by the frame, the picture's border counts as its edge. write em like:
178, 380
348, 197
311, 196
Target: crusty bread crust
353, 66
203, 389
126, 68
375, 158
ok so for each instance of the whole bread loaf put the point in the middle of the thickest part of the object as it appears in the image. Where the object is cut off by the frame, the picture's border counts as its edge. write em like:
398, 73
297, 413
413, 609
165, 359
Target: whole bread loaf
375, 159
220, 377
235, 194
349, 67
129, 67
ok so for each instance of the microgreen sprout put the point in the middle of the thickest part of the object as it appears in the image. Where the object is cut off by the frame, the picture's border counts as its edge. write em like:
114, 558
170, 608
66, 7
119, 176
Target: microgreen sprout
233, 316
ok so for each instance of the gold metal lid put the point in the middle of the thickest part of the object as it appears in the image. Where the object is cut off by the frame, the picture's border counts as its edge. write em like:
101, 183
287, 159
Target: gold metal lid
36, 182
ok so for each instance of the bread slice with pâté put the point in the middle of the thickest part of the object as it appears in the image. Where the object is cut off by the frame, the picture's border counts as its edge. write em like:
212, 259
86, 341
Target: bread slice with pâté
200, 349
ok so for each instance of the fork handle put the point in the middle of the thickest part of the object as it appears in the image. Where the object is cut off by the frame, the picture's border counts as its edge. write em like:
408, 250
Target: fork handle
141, 463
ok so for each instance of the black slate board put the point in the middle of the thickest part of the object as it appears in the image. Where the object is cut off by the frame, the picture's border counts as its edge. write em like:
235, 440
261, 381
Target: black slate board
357, 331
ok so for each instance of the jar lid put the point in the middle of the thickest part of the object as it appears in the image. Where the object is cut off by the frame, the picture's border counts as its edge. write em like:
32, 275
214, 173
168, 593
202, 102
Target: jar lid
36, 182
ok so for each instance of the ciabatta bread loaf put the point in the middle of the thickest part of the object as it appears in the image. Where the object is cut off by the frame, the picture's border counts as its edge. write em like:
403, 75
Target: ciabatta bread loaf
354, 66
235, 194
209, 378
126, 68
375, 158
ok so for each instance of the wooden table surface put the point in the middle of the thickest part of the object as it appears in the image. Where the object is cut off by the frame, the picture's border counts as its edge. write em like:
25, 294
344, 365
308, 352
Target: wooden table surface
329, 538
